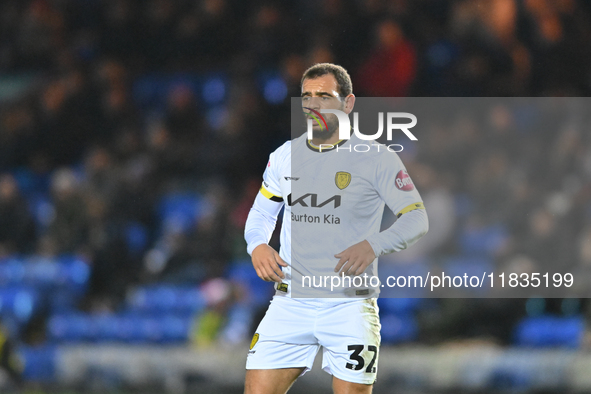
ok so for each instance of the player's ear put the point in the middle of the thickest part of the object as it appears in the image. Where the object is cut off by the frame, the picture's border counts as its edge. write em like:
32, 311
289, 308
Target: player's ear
349, 103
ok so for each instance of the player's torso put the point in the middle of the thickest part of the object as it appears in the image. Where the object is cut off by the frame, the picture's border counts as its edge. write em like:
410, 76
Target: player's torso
330, 204
329, 191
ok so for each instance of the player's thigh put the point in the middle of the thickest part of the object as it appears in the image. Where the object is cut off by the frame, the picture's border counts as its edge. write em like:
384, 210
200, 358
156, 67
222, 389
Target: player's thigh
350, 337
284, 338
270, 381
287, 321
340, 386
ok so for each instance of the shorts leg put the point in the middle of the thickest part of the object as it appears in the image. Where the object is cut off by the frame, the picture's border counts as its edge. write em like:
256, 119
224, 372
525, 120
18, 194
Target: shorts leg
350, 336
284, 338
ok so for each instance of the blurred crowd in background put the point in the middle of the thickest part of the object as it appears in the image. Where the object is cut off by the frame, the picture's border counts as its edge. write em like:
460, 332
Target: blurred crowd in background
134, 133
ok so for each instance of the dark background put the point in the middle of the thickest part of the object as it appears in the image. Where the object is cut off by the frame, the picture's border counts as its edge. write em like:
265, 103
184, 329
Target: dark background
133, 137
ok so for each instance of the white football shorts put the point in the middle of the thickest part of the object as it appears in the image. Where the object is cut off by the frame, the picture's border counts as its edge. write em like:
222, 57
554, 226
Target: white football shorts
293, 330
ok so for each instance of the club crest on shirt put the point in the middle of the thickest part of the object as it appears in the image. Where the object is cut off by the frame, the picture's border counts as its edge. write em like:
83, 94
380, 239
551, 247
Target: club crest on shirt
342, 179
403, 181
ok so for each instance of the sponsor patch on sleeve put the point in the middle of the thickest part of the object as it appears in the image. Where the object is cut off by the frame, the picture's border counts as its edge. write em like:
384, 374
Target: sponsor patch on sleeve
403, 181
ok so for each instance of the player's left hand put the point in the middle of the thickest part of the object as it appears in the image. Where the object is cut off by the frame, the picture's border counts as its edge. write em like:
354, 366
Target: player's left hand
355, 259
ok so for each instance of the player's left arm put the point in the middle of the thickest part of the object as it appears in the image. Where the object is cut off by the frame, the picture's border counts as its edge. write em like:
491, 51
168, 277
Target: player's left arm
397, 190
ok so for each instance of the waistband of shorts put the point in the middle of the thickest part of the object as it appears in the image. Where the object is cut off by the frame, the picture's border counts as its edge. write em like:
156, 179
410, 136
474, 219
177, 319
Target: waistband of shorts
322, 302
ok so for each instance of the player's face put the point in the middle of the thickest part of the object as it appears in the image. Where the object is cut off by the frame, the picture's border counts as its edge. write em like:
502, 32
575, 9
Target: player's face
322, 93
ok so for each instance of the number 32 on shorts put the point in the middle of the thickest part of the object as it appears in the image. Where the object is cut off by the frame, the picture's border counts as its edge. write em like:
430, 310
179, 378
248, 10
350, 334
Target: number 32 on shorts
356, 356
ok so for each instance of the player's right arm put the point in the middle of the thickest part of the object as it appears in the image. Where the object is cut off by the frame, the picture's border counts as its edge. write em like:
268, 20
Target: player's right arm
260, 225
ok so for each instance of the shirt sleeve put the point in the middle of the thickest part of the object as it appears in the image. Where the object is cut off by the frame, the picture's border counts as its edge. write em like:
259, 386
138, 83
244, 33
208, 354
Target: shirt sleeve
262, 217
261, 221
270, 187
405, 231
396, 188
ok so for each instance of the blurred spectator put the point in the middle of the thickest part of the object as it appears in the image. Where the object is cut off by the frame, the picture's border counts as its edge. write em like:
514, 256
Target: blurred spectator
200, 252
391, 69
69, 229
17, 135
9, 361
17, 231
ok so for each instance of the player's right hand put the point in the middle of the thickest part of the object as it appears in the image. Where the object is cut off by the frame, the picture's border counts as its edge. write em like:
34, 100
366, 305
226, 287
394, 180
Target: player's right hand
266, 262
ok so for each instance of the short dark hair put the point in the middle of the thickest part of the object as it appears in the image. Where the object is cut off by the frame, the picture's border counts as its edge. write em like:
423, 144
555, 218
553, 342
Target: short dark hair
344, 84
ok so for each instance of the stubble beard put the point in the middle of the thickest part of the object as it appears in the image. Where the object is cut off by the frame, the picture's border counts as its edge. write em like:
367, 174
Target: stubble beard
332, 126
325, 133
328, 132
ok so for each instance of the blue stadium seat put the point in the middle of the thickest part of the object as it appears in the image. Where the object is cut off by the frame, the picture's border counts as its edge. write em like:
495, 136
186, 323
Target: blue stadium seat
19, 302
12, 271
463, 205
74, 272
130, 328
71, 328
44, 273
190, 300
136, 237
39, 363
418, 267
179, 212
107, 325
272, 86
41, 272
42, 210
399, 305
62, 301
214, 90
472, 266
166, 299
398, 328
176, 328
151, 329
151, 91
511, 379
483, 240
477, 266
550, 331
31, 183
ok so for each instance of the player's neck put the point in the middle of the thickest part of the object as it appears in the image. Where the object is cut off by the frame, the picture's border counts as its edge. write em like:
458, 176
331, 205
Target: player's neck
334, 139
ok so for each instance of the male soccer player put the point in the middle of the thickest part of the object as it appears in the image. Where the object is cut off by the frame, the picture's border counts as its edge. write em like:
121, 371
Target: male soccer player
334, 198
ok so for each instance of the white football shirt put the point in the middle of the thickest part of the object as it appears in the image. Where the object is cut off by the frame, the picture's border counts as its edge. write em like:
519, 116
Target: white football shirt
334, 197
